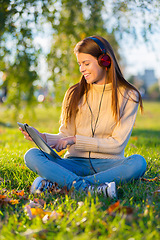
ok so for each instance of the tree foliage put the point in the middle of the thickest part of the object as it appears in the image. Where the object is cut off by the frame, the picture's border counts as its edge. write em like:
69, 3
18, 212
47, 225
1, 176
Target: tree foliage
134, 17
20, 21
70, 21
72, 27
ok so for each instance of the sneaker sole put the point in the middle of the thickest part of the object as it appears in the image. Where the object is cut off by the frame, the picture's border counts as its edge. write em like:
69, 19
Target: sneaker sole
111, 190
35, 184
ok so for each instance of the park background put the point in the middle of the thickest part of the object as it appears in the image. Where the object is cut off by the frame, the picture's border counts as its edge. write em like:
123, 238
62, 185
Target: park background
37, 65
38, 38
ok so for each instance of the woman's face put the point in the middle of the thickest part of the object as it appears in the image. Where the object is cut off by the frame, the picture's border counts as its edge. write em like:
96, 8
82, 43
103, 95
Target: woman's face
90, 68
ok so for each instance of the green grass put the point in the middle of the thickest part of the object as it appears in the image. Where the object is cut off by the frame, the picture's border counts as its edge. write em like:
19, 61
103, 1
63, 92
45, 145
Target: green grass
81, 217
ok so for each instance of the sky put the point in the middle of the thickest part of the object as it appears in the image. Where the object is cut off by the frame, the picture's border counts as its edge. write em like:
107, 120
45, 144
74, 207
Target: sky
140, 55
136, 56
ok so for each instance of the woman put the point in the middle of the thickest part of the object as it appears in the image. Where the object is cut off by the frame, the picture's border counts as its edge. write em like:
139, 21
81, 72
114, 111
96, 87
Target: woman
97, 118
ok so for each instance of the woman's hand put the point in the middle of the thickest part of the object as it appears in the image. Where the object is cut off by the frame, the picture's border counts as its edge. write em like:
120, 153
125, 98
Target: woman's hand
63, 143
26, 135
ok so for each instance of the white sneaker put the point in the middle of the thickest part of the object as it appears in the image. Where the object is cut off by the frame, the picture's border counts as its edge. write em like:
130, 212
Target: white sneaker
108, 189
40, 185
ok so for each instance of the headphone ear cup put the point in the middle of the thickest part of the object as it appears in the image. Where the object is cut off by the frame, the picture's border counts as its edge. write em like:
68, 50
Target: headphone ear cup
104, 60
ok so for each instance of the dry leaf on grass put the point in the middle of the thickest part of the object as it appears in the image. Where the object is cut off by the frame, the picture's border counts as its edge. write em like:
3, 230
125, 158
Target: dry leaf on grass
116, 208
150, 179
33, 212
39, 201
43, 214
20, 194
36, 203
53, 216
7, 197
14, 201
135, 138
4, 200
2, 197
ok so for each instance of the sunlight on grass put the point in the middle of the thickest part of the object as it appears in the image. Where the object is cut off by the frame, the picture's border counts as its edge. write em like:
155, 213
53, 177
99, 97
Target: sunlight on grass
76, 216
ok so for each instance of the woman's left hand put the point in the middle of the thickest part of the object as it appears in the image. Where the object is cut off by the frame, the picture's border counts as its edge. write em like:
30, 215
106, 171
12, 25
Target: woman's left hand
63, 143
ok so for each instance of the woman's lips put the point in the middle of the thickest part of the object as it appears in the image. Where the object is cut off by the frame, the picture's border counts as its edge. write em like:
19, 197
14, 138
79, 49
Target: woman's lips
86, 75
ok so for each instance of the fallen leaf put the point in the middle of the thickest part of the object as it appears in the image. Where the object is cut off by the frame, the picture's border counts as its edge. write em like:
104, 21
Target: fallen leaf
37, 203
44, 215
2, 196
39, 212
116, 208
53, 216
113, 207
135, 138
41, 202
14, 201
33, 212
9, 197
151, 179
4, 200
147, 210
18, 193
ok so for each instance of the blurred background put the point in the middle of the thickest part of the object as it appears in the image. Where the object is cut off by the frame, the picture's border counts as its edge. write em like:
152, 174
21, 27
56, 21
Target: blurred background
37, 38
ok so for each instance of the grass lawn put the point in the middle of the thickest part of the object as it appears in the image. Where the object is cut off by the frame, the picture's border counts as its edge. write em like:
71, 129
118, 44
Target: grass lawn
135, 216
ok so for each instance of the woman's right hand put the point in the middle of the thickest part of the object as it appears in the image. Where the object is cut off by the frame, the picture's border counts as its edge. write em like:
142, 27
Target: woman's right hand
26, 135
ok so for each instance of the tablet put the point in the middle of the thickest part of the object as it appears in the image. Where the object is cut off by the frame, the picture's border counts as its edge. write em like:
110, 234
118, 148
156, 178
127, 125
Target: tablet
38, 140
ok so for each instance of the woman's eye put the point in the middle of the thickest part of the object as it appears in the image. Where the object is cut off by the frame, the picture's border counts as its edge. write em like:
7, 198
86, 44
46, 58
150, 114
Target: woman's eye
87, 64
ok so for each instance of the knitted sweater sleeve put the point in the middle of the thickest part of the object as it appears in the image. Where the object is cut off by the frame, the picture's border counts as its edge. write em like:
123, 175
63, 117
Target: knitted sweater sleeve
117, 141
63, 132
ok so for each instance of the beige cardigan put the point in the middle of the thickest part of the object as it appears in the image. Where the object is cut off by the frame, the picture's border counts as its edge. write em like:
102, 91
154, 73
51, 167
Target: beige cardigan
110, 138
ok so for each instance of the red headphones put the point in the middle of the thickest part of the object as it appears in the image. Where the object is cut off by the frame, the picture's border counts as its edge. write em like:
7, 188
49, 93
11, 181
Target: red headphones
104, 59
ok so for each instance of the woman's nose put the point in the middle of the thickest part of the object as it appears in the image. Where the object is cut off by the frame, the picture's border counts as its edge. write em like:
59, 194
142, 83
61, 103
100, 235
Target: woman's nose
82, 68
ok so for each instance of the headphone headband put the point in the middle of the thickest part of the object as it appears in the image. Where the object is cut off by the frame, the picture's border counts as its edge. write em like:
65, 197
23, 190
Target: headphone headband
104, 59
99, 43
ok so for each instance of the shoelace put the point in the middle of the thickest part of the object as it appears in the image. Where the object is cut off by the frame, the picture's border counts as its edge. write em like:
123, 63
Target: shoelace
99, 190
90, 188
46, 185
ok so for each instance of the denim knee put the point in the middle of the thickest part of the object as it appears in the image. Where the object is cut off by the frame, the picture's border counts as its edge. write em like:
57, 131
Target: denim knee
30, 156
141, 164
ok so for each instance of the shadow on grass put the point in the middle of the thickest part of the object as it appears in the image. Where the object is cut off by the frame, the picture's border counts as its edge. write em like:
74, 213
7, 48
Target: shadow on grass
7, 125
148, 138
146, 133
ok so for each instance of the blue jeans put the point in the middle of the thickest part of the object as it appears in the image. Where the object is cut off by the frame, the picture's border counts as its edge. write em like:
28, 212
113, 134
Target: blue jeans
67, 171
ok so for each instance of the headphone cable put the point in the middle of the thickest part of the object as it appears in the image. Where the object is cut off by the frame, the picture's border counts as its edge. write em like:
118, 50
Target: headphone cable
94, 129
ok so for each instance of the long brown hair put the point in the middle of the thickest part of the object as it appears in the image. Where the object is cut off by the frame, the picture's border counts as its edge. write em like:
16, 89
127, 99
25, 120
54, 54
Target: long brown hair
114, 74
